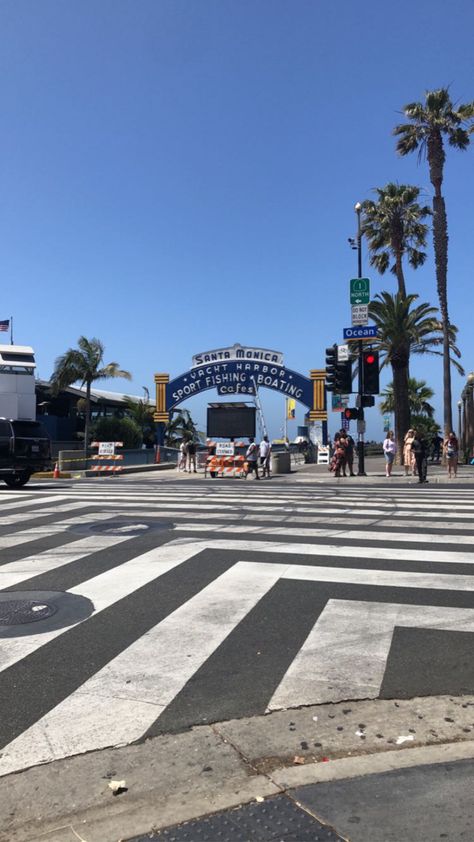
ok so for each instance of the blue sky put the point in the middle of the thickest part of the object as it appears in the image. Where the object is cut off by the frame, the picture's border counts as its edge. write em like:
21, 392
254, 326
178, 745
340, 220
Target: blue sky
179, 176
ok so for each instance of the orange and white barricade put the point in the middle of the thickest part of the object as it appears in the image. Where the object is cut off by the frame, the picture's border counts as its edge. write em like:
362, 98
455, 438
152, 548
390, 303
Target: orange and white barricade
106, 453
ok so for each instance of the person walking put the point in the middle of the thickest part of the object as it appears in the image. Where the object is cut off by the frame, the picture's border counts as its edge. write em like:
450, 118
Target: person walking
451, 451
408, 455
191, 451
182, 456
389, 449
418, 448
265, 450
340, 451
350, 454
252, 458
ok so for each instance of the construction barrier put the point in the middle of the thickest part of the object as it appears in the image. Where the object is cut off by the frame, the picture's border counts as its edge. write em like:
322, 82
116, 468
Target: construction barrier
107, 453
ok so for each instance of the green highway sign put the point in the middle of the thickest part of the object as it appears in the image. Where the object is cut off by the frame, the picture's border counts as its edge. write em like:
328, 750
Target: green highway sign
360, 290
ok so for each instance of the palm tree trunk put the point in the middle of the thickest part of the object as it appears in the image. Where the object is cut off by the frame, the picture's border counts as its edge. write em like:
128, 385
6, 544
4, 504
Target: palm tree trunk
401, 406
87, 421
400, 276
436, 158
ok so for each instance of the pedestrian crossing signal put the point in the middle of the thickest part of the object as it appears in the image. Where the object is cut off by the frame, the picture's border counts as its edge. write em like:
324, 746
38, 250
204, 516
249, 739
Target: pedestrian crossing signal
351, 413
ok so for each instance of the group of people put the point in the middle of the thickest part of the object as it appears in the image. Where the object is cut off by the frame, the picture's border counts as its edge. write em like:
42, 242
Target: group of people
259, 455
187, 456
343, 454
416, 451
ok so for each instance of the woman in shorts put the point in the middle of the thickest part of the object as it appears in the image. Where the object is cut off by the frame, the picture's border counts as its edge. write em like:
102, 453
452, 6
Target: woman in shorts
389, 449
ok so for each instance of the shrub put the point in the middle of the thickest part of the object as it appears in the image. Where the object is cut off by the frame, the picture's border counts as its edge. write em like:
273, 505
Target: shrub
118, 429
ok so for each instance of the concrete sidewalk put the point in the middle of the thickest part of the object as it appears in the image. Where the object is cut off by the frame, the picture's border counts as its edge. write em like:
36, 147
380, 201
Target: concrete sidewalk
175, 778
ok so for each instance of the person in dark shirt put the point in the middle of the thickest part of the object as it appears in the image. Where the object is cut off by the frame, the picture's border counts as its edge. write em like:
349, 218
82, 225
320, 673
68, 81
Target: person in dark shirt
419, 450
436, 443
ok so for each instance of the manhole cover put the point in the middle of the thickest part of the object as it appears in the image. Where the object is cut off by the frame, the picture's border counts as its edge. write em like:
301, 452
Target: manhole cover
16, 612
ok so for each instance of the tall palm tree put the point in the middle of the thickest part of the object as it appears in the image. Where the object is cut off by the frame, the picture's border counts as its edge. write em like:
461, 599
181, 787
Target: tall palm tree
419, 396
431, 123
404, 330
394, 228
84, 365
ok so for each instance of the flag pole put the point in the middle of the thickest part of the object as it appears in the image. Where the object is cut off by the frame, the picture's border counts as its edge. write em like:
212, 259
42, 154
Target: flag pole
11, 330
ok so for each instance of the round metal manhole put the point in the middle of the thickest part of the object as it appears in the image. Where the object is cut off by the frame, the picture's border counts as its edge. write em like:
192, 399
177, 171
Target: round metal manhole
17, 612
123, 528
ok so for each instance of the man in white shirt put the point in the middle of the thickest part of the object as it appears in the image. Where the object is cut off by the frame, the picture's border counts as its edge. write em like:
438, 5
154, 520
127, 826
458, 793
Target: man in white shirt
265, 450
252, 458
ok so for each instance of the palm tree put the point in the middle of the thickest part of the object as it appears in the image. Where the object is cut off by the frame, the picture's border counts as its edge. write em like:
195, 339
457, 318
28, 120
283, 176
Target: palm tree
394, 228
419, 395
404, 330
430, 124
84, 365
142, 412
180, 426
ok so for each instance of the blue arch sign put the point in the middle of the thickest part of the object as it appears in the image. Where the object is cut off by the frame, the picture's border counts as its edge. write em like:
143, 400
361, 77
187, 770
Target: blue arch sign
235, 377
240, 371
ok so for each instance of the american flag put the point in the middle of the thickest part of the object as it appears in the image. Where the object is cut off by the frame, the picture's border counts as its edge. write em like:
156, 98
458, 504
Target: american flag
5, 324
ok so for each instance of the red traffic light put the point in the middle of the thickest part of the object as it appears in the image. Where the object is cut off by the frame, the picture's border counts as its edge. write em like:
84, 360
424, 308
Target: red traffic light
370, 359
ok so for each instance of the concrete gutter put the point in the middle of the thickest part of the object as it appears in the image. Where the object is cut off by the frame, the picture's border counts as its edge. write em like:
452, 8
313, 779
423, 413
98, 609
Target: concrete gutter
177, 777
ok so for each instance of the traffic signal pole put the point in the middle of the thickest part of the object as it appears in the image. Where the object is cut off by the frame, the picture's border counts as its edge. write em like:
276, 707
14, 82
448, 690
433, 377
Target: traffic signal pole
360, 391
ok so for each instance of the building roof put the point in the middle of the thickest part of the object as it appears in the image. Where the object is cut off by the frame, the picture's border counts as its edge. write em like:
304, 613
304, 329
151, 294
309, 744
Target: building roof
97, 395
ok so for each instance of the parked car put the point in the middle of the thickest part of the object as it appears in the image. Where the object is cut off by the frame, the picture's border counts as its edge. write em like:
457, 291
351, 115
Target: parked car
25, 448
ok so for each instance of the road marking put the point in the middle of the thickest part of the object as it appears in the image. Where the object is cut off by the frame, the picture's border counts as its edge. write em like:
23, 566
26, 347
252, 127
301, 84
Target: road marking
345, 654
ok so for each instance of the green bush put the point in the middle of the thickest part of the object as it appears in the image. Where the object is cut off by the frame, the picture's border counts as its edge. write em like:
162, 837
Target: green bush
118, 429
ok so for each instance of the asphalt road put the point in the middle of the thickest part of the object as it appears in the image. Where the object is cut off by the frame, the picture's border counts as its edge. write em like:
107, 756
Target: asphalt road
133, 607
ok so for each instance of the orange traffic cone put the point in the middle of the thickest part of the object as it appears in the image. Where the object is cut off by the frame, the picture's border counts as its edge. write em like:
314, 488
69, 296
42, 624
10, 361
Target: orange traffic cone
56, 474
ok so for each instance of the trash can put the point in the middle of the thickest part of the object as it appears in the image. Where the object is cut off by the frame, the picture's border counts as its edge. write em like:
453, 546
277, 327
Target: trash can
281, 462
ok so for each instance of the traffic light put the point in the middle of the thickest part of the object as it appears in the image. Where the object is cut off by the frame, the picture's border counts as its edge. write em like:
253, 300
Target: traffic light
370, 369
344, 377
351, 413
338, 374
368, 400
331, 368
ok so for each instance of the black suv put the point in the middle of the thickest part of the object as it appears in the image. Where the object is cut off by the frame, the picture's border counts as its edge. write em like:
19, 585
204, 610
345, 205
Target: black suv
25, 448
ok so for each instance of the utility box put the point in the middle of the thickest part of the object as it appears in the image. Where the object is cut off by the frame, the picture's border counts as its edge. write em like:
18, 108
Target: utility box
281, 462
17, 383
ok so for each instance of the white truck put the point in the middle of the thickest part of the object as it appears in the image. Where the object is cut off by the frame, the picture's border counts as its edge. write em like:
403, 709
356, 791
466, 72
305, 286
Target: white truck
25, 446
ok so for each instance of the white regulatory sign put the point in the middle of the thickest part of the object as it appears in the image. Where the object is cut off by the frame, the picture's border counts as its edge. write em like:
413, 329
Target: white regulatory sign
225, 448
342, 353
360, 314
106, 448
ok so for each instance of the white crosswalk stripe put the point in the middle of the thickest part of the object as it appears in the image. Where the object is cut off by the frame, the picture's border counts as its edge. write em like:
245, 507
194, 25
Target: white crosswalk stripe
181, 576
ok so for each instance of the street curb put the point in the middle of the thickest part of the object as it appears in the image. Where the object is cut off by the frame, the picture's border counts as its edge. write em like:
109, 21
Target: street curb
174, 778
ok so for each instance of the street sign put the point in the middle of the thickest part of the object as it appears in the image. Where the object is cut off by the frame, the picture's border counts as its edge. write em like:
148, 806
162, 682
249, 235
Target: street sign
339, 402
360, 291
361, 426
355, 334
225, 448
342, 353
360, 314
106, 448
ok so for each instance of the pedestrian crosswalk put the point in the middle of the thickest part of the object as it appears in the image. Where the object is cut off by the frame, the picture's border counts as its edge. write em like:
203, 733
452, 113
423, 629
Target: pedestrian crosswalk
133, 607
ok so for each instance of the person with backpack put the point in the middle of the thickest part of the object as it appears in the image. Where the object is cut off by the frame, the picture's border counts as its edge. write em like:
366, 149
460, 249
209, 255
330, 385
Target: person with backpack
251, 457
451, 450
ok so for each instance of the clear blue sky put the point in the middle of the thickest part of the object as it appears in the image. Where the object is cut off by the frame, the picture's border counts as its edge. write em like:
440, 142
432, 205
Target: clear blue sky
179, 176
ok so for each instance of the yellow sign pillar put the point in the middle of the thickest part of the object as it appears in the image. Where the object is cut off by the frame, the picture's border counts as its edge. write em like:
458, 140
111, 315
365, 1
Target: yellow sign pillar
318, 412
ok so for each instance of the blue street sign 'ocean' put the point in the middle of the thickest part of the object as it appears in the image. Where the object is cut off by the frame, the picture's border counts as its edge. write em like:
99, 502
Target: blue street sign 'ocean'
355, 334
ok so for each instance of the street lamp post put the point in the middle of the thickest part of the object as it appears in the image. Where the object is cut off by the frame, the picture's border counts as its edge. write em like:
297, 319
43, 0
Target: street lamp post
360, 390
459, 421
469, 427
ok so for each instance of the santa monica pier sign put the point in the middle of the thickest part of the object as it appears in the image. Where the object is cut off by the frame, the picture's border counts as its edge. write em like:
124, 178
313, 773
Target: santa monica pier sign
240, 370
